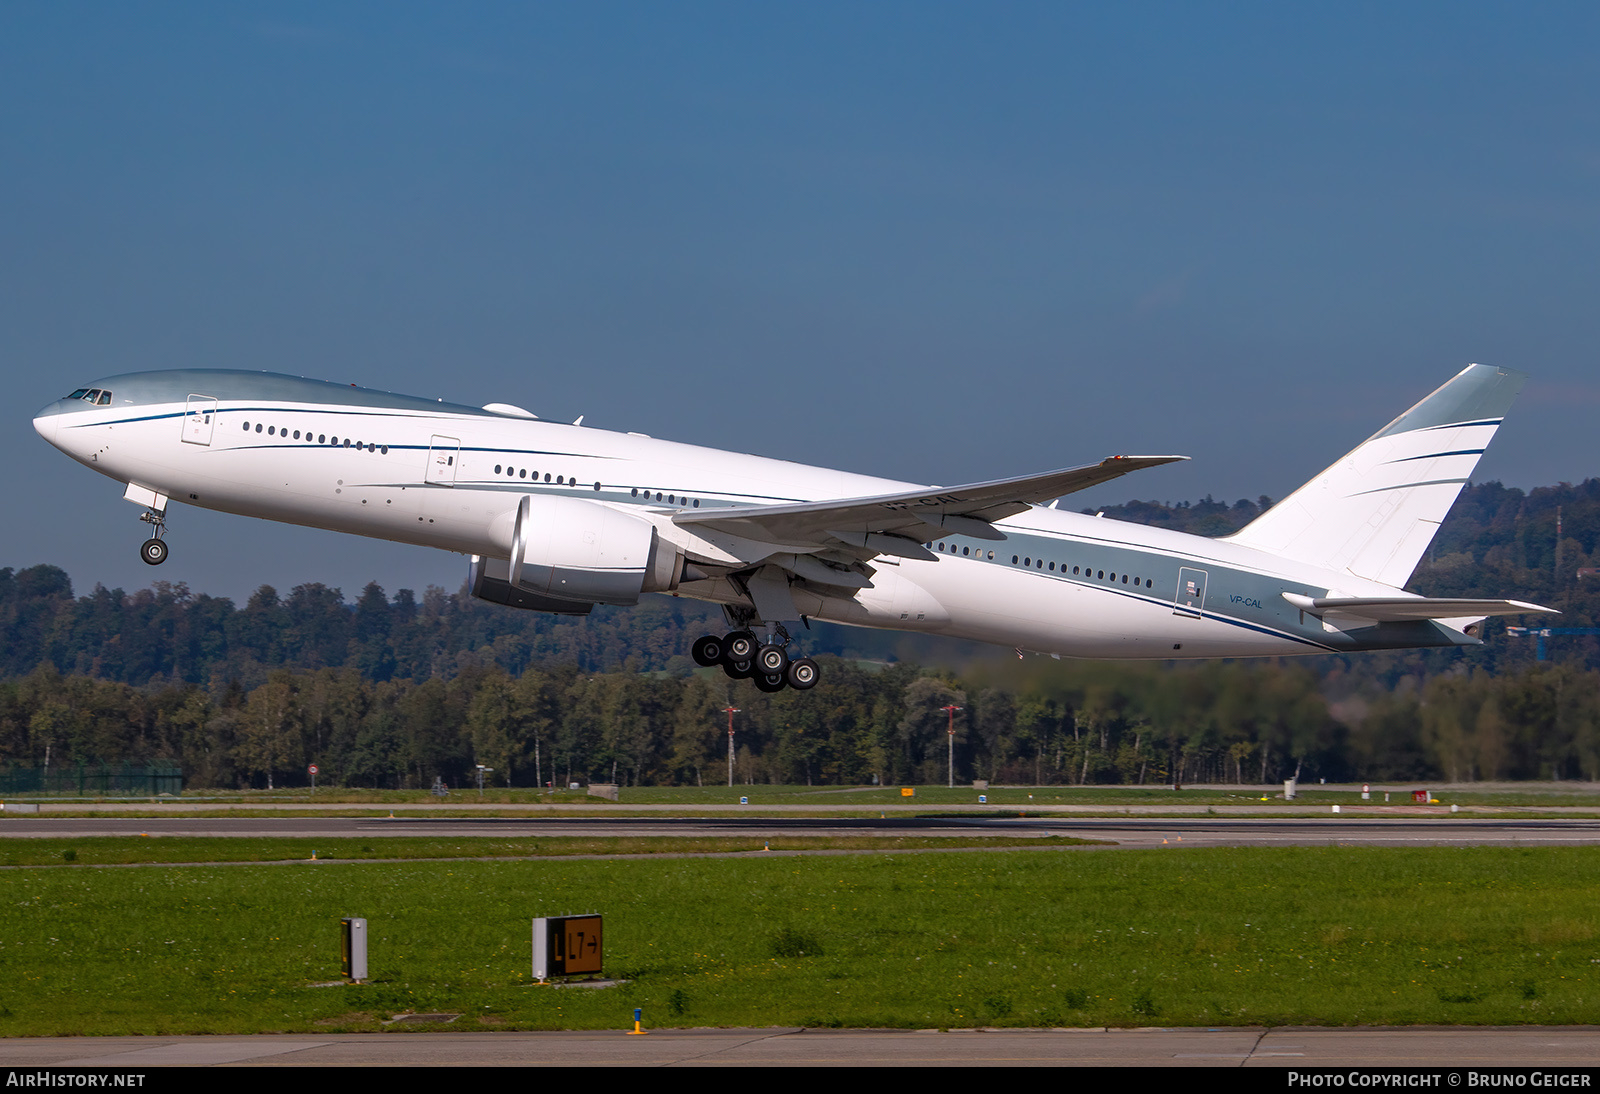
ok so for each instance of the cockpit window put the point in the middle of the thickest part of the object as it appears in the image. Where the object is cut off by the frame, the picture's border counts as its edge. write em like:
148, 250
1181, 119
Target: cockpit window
80, 393
97, 396
105, 399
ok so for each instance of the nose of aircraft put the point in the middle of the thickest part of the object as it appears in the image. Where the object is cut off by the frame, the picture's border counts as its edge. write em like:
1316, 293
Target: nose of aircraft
45, 421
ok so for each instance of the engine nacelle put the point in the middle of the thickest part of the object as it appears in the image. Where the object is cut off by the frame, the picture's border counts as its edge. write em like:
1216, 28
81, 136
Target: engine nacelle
491, 580
582, 552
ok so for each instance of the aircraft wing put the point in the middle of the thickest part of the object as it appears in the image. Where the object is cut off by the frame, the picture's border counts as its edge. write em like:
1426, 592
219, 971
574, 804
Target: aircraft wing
877, 522
1397, 609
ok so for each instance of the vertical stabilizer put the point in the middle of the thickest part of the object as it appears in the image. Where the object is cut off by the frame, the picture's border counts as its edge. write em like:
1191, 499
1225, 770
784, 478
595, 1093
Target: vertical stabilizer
1374, 512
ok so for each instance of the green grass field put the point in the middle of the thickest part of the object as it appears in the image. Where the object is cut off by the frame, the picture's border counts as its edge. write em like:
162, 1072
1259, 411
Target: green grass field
1020, 938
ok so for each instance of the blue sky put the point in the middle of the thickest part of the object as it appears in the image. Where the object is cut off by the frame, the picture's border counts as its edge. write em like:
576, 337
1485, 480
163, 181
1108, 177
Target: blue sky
935, 242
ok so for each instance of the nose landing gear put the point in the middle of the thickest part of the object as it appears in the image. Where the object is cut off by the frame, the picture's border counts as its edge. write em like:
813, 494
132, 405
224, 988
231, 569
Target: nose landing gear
154, 549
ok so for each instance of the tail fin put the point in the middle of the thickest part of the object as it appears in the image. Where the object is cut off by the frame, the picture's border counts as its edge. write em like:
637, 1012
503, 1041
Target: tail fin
1374, 512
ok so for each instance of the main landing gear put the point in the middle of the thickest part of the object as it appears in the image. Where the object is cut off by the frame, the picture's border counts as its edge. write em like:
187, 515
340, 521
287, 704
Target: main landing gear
154, 549
767, 663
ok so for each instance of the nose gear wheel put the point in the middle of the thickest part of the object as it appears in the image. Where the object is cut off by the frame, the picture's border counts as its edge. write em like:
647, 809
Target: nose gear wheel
154, 549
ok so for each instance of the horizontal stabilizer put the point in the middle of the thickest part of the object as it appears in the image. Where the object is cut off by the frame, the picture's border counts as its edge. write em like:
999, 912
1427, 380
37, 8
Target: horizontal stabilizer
1399, 609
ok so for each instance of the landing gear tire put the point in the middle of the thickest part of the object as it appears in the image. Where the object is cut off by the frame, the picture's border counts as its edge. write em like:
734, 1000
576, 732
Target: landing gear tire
154, 552
766, 681
772, 660
802, 674
739, 670
707, 651
738, 646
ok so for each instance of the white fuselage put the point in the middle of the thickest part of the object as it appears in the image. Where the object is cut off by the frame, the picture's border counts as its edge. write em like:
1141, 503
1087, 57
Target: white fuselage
448, 477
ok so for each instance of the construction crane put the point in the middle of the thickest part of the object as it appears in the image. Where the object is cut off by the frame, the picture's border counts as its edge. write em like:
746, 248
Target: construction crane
1541, 633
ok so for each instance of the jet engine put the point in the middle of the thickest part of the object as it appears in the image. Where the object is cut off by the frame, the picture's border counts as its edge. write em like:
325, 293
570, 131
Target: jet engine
567, 554
490, 580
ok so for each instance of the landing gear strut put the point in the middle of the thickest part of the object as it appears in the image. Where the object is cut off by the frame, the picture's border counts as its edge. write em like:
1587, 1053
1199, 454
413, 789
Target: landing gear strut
767, 663
154, 549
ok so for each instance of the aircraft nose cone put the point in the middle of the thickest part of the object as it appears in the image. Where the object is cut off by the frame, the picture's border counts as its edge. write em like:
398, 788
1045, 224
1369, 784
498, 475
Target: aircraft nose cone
45, 422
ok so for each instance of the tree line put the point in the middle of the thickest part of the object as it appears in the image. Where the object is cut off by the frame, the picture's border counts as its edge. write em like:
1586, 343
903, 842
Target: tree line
1036, 722
396, 691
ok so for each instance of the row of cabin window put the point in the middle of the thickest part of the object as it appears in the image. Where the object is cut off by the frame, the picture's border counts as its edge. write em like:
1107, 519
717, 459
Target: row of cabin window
672, 499
514, 473
322, 438
965, 551
1099, 575
562, 480
1040, 564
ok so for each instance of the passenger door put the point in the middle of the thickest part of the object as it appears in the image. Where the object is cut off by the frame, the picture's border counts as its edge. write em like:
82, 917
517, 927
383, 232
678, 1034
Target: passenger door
1191, 598
199, 419
444, 453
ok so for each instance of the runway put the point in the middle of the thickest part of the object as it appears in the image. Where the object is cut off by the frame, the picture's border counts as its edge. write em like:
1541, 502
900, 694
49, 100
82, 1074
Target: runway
1455, 1051
1345, 830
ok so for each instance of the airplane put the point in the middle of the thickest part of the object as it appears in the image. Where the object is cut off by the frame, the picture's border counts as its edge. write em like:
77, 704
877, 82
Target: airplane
559, 517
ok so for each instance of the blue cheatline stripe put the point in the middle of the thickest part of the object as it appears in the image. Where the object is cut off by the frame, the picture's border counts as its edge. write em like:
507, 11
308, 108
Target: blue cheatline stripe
1436, 455
1408, 486
1258, 628
1457, 425
1163, 603
226, 446
125, 421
